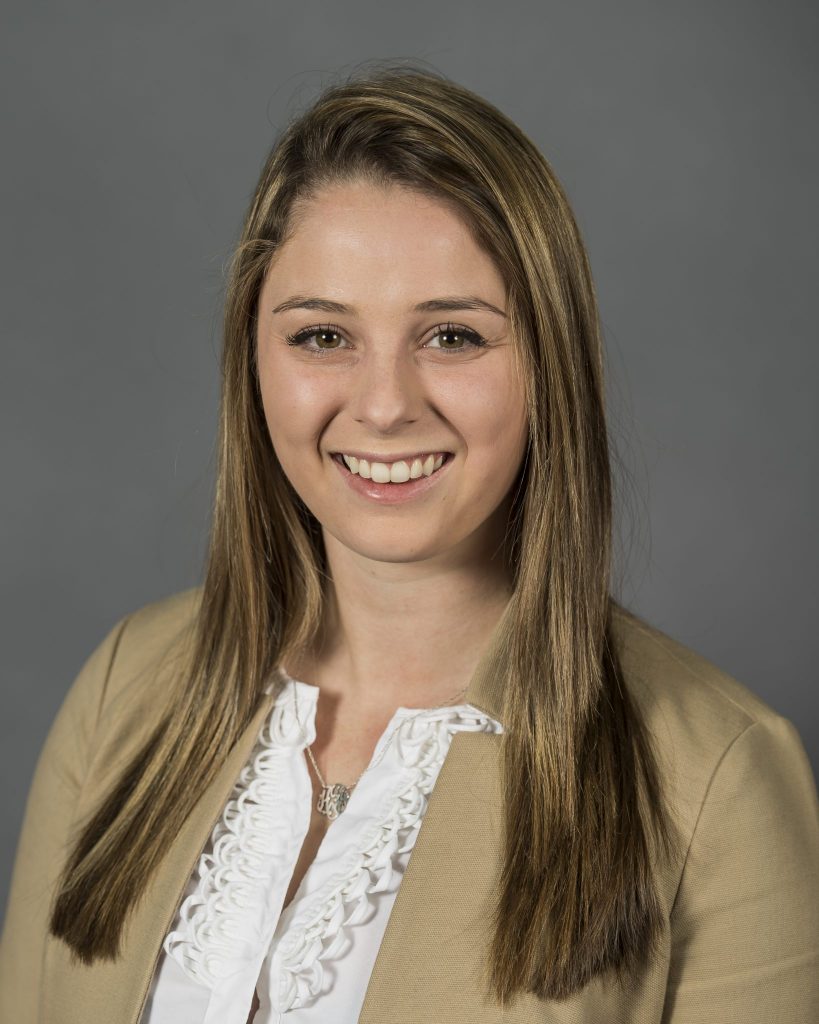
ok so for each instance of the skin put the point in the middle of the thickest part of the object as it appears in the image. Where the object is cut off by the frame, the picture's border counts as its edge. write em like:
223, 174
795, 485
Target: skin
416, 587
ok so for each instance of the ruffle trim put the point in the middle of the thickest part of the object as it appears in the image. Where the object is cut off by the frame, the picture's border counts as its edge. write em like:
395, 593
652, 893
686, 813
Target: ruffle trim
221, 924
319, 933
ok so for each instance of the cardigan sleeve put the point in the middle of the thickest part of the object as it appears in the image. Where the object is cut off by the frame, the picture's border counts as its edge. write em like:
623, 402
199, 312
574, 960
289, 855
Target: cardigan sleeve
745, 921
45, 837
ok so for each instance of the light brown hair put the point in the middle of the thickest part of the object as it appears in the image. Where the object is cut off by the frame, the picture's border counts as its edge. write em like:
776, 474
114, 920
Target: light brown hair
586, 821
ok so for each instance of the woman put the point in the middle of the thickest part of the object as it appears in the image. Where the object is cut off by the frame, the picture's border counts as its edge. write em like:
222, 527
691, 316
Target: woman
402, 757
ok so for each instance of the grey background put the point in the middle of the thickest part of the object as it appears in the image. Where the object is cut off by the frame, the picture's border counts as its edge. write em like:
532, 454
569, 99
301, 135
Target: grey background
133, 136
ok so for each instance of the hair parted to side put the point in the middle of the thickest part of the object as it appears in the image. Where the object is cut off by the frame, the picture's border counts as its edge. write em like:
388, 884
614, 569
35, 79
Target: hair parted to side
586, 819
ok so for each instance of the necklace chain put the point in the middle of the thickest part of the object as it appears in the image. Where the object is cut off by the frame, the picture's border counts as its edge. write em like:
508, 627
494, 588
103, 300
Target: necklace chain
335, 797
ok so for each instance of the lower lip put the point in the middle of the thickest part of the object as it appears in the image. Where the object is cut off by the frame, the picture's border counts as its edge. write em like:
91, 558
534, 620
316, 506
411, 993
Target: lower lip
391, 494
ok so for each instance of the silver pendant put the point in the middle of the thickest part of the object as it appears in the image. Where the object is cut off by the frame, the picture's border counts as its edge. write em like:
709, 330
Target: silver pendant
333, 800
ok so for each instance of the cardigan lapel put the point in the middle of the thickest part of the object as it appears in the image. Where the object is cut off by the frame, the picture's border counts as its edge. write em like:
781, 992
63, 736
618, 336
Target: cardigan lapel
428, 964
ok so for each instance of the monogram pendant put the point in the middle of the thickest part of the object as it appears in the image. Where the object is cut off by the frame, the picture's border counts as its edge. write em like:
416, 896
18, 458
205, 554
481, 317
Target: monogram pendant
333, 800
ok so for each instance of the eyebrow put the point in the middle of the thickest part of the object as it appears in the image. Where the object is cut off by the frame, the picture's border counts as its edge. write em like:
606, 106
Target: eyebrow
443, 305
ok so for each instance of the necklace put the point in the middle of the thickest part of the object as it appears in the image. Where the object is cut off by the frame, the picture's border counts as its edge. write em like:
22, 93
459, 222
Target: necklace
335, 797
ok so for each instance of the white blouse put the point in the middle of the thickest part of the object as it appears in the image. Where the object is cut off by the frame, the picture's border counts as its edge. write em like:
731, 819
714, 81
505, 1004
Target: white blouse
310, 961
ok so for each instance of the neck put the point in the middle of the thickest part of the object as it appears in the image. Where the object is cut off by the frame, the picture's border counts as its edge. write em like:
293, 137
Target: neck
408, 637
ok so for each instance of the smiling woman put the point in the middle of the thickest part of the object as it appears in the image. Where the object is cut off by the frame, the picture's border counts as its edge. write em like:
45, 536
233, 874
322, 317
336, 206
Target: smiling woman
403, 757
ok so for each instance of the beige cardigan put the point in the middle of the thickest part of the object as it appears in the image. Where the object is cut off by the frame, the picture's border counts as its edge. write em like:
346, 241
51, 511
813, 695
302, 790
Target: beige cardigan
741, 937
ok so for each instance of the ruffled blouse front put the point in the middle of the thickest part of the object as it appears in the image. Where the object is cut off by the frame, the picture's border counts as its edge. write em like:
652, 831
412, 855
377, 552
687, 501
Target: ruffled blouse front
310, 961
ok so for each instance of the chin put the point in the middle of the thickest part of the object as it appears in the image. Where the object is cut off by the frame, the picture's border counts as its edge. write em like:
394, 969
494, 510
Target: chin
399, 548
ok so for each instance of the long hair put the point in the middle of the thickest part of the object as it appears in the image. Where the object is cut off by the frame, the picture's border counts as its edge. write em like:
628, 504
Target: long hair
586, 819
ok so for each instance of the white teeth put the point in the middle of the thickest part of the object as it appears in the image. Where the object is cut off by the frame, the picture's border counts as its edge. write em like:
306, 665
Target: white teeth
395, 472
380, 473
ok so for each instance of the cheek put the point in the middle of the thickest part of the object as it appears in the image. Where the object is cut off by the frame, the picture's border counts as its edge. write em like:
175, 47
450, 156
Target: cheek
492, 421
296, 401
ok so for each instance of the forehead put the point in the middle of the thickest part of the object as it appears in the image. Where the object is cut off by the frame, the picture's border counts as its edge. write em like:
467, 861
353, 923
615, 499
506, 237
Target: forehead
360, 238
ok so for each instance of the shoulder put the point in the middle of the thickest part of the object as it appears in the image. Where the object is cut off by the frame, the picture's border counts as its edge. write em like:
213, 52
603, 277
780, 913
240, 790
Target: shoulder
728, 759
151, 641
694, 709
741, 899
151, 634
144, 668
669, 679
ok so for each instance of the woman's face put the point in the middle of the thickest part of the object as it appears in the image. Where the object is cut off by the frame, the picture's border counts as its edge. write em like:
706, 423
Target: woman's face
405, 354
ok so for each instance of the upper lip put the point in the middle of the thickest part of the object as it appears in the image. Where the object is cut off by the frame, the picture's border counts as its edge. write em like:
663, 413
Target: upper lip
400, 457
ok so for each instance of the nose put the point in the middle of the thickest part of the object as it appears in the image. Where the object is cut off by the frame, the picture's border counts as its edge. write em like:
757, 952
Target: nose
387, 391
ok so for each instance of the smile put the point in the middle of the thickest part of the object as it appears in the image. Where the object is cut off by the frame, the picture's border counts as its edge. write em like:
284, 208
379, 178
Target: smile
398, 483
398, 472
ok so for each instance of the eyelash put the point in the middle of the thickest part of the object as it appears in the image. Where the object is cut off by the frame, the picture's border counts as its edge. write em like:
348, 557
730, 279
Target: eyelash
300, 337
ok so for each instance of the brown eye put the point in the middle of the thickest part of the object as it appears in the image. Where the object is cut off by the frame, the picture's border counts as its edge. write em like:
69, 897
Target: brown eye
320, 339
328, 339
456, 339
450, 338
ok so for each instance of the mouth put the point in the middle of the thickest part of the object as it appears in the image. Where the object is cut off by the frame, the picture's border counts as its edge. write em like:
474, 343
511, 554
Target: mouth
395, 472
404, 491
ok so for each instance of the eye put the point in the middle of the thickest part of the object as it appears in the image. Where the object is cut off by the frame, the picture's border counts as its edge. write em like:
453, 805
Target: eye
328, 339
456, 339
